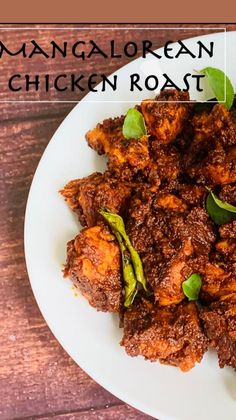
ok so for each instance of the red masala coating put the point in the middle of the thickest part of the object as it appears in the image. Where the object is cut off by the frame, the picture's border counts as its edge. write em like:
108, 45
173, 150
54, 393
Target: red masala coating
104, 135
158, 184
173, 240
172, 335
220, 327
219, 124
87, 195
165, 120
93, 263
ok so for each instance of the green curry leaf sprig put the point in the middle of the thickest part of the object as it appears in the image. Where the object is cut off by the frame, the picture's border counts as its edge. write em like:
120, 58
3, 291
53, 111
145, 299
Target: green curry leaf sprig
131, 262
192, 286
130, 289
134, 125
220, 85
220, 211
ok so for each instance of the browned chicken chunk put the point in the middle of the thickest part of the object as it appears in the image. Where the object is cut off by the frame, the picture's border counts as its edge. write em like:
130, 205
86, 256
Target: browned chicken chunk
88, 195
217, 168
220, 327
128, 157
104, 135
166, 115
219, 283
177, 269
125, 157
219, 124
165, 161
174, 241
220, 166
195, 234
93, 263
159, 184
211, 157
228, 193
171, 334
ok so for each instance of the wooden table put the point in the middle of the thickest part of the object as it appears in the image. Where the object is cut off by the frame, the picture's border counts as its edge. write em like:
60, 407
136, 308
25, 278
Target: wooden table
38, 379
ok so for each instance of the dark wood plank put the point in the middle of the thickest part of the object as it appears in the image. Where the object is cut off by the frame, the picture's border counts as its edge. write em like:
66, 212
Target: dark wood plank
37, 376
115, 412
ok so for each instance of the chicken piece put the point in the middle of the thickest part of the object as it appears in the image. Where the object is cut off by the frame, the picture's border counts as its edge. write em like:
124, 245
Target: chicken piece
227, 247
166, 115
220, 166
125, 157
170, 202
171, 335
128, 157
197, 237
228, 193
218, 283
194, 195
165, 161
149, 229
228, 230
87, 195
193, 237
93, 263
217, 168
220, 327
169, 291
198, 227
219, 124
226, 254
151, 213
149, 220
104, 135
211, 157
176, 243
170, 239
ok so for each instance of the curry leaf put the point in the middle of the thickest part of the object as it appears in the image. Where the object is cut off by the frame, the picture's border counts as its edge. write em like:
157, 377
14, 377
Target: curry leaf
219, 211
130, 287
191, 286
220, 85
134, 125
117, 224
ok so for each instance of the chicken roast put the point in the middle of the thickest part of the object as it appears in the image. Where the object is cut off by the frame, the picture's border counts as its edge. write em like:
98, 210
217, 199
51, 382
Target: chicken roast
158, 184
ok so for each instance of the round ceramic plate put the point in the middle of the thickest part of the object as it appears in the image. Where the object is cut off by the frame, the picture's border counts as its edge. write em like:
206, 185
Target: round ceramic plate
89, 337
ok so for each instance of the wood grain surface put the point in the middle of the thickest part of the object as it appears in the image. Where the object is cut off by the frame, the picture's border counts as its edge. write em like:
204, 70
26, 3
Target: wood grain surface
37, 378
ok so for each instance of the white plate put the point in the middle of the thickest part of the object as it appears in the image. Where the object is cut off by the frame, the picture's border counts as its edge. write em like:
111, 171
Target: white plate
91, 338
